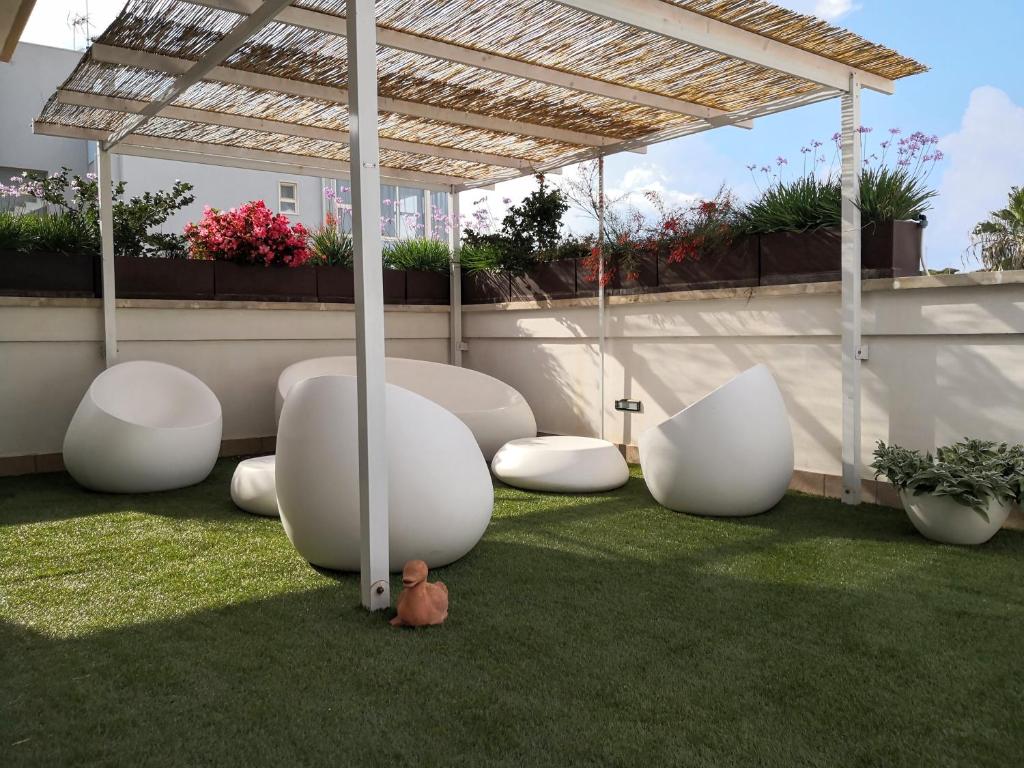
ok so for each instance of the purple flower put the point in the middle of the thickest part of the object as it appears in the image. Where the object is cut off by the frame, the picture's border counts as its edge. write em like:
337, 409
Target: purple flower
863, 129
752, 167
805, 150
329, 193
781, 161
815, 144
895, 131
506, 200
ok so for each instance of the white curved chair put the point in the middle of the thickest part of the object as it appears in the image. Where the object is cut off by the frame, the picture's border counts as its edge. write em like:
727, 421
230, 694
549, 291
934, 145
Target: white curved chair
561, 464
253, 487
440, 495
494, 411
143, 426
729, 454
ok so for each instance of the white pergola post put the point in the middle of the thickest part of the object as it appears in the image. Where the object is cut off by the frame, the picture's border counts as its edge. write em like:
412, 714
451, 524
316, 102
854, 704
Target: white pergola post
369, 289
106, 203
600, 288
851, 320
455, 309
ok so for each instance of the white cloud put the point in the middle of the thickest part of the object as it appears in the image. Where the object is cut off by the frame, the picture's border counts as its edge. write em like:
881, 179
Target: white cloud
983, 160
830, 10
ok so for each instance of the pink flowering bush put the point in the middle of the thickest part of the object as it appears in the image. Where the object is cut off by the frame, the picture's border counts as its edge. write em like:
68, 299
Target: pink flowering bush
251, 234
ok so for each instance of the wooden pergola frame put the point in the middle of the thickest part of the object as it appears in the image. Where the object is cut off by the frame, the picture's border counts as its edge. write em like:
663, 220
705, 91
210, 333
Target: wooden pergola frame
143, 127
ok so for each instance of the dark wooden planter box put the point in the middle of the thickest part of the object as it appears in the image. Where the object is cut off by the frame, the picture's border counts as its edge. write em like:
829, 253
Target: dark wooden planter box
148, 278
336, 284
423, 287
735, 267
486, 287
394, 286
646, 279
891, 249
547, 280
48, 274
251, 282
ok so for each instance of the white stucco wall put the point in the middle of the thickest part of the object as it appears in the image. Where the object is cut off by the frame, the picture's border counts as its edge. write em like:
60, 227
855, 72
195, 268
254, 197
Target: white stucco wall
946, 358
945, 362
50, 350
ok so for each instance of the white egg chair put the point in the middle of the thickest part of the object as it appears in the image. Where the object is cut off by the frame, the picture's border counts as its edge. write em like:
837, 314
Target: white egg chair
729, 454
143, 426
494, 411
440, 495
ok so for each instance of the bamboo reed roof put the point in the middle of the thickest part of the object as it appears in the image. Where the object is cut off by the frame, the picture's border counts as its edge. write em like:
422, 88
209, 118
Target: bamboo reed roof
559, 83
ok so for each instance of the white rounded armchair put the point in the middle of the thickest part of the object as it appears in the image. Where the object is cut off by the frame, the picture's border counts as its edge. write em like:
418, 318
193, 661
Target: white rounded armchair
729, 454
143, 426
440, 495
494, 411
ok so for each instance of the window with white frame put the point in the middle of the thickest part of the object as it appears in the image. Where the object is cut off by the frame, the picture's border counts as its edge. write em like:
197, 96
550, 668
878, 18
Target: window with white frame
287, 197
405, 212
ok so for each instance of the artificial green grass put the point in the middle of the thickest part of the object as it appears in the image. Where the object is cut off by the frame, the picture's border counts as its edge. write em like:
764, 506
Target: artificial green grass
584, 630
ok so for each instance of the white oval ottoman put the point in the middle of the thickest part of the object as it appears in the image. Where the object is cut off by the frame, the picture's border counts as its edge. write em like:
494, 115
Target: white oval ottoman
440, 494
494, 411
141, 427
561, 463
253, 488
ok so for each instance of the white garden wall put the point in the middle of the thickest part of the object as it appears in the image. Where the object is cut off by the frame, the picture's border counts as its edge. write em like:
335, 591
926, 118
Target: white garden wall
50, 350
946, 358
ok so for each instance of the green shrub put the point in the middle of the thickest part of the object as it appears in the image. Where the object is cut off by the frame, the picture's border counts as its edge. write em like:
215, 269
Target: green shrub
75, 221
479, 257
796, 206
54, 233
998, 242
329, 247
420, 253
971, 472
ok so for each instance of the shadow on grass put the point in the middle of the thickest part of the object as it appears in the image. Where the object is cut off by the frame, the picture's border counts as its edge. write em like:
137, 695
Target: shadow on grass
549, 658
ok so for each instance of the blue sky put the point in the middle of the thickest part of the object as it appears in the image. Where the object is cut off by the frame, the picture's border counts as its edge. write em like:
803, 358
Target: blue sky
973, 98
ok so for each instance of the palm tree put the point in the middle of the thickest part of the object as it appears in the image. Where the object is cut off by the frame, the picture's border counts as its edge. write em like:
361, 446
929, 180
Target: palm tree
999, 241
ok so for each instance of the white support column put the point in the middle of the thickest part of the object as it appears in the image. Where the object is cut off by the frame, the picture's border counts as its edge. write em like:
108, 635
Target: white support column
103, 182
455, 302
369, 289
851, 275
600, 286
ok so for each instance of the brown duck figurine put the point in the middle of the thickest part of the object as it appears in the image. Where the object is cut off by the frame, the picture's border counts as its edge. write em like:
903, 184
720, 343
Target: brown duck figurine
420, 604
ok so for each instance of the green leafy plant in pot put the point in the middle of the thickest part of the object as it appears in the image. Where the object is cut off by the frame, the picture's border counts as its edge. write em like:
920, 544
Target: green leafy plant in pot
963, 494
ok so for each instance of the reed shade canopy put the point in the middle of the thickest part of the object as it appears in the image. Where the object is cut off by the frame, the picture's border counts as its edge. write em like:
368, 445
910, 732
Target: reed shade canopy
470, 92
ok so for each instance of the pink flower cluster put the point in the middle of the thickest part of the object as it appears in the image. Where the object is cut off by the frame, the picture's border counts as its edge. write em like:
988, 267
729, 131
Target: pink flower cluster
251, 233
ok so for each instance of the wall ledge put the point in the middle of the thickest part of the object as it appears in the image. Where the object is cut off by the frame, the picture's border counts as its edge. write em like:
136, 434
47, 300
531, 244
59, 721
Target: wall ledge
923, 282
308, 306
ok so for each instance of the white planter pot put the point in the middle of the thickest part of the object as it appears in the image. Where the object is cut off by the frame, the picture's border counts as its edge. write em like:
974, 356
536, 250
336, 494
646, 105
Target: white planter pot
939, 518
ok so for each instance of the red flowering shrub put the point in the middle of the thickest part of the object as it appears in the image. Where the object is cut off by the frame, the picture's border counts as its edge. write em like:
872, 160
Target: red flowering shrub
251, 234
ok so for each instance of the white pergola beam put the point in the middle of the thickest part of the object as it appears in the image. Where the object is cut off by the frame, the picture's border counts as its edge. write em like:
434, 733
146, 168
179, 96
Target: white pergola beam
106, 205
852, 351
677, 23
298, 130
261, 15
369, 288
157, 62
470, 57
317, 165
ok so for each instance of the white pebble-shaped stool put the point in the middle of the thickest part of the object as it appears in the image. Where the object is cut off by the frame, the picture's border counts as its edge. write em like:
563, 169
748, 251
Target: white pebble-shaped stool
143, 426
493, 410
440, 495
253, 488
729, 454
560, 463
